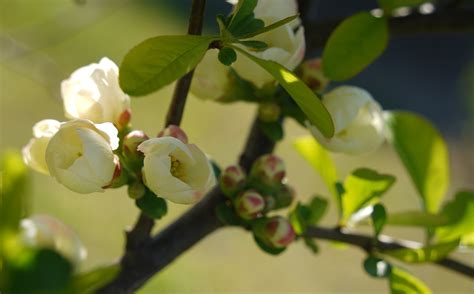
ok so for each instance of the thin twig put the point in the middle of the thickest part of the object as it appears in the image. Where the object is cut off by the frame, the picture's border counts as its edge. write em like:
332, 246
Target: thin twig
367, 244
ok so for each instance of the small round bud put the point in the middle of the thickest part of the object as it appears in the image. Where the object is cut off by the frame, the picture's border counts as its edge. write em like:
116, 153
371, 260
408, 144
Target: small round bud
131, 142
312, 74
232, 180
124, 119
136, 190
278, 232
284, 196
249, 204
269, 169
174, 131
269, 112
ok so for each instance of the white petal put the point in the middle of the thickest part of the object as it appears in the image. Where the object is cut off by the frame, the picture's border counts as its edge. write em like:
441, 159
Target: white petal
34, 154
111, 133
46, 128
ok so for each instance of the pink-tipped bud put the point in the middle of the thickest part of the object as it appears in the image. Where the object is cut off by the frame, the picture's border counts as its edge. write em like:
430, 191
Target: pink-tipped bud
174, 131
249, 204
312, 74
232, 180
278, 232
269, 169
119, 178
131, 142
124, 119
269, 112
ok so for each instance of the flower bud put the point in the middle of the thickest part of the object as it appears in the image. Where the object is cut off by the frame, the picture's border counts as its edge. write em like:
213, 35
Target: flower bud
312, 74
46, 231
175, 132
269, 169
269, 112
232, 180
249, 204
124, 119
130, 145
136, 190
278, 232
284, 196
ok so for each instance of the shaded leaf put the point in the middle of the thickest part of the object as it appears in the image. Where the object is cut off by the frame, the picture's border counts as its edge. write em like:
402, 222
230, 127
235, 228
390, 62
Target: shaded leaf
159, 61
353, 45
270, 27
376, 267
273, 130
152, 206
311, 105
227, 215
227, 56
424, 154
92, 280
311, 244
379, 218
402, 282
303, 215
258, 45
430, 253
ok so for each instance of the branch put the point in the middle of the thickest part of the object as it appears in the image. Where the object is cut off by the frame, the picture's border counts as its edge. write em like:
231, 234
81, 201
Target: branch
139, 265
367, 244
447, 21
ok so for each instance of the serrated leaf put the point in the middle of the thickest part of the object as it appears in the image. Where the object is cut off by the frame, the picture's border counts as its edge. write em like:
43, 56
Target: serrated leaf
376, 267
417, 219
402, 282
227, 56
423, 153
92, 280
353, 45
321, 161
430, 253
379, 218
389, 5
362, 188
152, 206
460, 214
311, 105
159, 61
271, 27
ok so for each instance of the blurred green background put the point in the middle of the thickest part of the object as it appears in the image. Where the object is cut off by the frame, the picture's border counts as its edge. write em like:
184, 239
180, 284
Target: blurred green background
43, 41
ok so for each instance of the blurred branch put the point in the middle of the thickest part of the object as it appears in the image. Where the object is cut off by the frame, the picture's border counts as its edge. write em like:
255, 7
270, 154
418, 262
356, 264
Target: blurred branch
445, 21
367, 244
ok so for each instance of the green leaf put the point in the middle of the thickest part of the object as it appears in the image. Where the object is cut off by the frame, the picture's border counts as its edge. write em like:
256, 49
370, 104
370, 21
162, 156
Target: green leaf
270, 27
362, 188
92, 280
430, 253
460, 213
273, 130
376, 267
417, 219
13, 191
311, 244
424, 154
402, 282
353, 45
159, 61
379, 218
152, 206
242, 10
227, 56
303, 215
257, 45
318, 207
227, 215
390, 5
321, 161
303, 96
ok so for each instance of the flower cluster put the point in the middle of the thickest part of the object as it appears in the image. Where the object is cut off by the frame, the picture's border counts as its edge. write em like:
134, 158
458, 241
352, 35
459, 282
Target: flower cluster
254, 196
97, 149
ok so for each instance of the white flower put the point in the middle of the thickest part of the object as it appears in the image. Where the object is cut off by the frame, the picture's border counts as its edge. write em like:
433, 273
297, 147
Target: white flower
80, 155
176, 171
92, 92
34, 152
358, 121
47, 232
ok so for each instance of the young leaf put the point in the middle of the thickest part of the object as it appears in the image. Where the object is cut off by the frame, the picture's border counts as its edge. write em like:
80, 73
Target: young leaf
379, 218
151, 205
424, 154
243, 20
321, 161
402, 282
363, 187
257, 45
430, 253
460, 213
353, 45
318, 207
227, 56
303, 96
376, 267
303, 215
92, 280
417, 219
270, 27
158, 61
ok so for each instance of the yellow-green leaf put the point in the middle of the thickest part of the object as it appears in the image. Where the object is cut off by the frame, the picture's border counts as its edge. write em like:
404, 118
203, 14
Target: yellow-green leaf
402, 282
90, 281
430, 253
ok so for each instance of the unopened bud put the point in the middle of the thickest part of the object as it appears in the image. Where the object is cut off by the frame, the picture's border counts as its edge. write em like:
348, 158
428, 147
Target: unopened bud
136, 190
249, 204
278, 232
130, 144
119, 177
232, 180
124, 119
284, 196
269, 112
174, 131
269, 169
312, 74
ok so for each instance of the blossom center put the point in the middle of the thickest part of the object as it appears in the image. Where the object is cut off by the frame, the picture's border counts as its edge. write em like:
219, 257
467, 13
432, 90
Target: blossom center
177, 169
